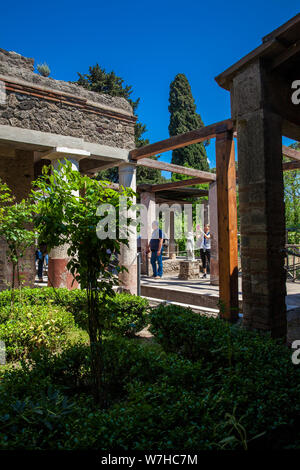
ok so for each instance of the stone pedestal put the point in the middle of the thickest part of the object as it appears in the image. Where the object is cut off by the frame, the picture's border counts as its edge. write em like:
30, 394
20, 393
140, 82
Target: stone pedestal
189, 270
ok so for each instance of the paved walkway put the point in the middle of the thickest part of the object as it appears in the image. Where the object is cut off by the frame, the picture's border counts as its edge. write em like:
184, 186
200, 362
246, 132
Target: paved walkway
203, 287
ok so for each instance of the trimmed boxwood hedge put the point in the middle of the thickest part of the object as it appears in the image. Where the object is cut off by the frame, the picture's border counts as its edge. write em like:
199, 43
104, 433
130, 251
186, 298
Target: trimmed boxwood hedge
126, 315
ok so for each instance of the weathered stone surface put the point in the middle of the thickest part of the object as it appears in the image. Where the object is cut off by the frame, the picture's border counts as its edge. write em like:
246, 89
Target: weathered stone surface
189, 270
171, 266
60, 116
15, 65
261, 205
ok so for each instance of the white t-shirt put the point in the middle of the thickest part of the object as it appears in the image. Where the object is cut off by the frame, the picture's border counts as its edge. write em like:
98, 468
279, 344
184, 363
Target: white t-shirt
200, 242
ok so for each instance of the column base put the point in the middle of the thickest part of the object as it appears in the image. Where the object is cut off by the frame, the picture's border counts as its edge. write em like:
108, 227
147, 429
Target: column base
128, 280
59, 276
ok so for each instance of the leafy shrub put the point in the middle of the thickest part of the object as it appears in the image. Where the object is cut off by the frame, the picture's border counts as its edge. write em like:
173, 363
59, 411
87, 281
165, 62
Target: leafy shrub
31, 327
236, 390
126, 314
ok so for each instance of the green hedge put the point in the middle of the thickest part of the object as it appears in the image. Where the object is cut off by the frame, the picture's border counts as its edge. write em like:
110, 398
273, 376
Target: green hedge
156, 400
31, 327
126, 314
208, 385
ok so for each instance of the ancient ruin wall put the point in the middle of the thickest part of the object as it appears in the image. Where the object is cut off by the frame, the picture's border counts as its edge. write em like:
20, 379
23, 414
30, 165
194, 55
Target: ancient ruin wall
48, 105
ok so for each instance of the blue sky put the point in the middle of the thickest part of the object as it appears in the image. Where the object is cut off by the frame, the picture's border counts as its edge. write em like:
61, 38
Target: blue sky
146, 43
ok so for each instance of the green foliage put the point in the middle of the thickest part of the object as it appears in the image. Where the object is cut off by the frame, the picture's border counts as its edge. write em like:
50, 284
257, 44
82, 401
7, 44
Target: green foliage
156, 400
100, 81
292, 200
127, 314
31, 327
15, 219
67, 204
184, 118
44, 69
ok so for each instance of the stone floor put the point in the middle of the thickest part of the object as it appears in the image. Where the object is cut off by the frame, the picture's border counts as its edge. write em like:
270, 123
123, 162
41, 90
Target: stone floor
200, 292
202, 286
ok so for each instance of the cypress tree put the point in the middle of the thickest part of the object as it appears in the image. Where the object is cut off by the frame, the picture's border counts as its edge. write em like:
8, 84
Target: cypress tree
184, 118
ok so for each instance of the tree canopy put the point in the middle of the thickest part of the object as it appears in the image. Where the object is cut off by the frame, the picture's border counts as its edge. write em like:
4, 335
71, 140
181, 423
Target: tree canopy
184, 118
100, 81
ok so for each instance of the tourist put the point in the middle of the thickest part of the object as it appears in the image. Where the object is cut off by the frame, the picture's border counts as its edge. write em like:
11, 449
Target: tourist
205, 250
40, 257
156, 248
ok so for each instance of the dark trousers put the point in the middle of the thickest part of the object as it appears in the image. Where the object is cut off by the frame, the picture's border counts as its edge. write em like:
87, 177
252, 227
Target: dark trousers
205, 257
40, 267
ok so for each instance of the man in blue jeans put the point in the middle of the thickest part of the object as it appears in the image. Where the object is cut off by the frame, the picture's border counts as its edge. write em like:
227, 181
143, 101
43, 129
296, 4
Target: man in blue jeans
155, 246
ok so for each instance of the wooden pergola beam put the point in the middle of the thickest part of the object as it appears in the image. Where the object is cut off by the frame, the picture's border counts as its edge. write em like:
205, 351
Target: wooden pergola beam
288, 166
181, 170
153, 188
188, 138
291, 153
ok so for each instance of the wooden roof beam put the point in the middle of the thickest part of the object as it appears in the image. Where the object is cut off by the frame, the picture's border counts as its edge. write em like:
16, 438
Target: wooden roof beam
181, 170
178, 141
169, 186
291, 153
288, 166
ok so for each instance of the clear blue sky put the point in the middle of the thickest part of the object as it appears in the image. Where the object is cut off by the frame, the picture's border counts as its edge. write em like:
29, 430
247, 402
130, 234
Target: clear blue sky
146, 43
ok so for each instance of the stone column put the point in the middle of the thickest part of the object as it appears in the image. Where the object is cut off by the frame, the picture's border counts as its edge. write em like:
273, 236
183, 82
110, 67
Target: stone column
58, 274
261, 198
148, 200
213, 216
17, 171
172, 245
128, 255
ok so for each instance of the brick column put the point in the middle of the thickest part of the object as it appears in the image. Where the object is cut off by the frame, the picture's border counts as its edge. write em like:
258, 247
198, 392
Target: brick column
18, 172
213, 216
148, 200
261, 195
58, 274
128, 255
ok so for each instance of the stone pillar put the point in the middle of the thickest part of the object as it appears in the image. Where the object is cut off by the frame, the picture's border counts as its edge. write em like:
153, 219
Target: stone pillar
172, 245
261, 198
17, 171
206, 212
128, 255
58, 274
148, 200
214, 252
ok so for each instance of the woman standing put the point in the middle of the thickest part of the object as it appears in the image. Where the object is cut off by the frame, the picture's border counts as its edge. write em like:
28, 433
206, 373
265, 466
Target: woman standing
205, 251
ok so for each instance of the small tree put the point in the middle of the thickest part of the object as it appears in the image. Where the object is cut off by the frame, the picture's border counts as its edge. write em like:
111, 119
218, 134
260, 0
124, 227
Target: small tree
15, 220
66, 206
